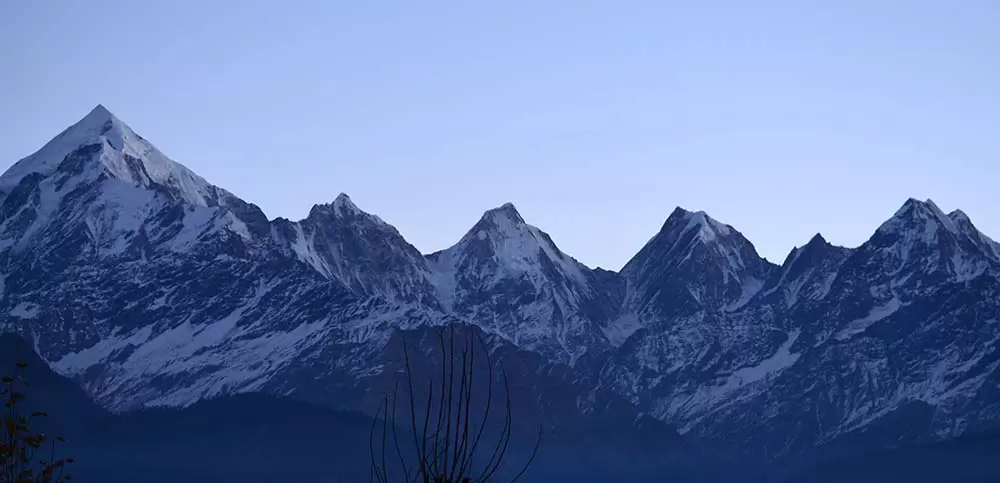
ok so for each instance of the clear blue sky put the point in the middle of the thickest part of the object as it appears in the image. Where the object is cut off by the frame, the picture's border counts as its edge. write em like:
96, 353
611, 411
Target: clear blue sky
595, 118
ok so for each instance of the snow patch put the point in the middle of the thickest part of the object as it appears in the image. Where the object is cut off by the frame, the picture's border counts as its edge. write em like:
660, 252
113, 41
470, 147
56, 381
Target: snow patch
78, 362
709, 398
967, 267
619, 330
876, 314
196, 222
25, 310
708, 228
444, 278
782, 359
750, 288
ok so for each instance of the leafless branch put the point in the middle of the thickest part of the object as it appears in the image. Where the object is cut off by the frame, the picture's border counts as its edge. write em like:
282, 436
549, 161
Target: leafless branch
447, 444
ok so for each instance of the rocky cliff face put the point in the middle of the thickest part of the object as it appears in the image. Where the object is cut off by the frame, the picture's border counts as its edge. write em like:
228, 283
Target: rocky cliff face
151, 286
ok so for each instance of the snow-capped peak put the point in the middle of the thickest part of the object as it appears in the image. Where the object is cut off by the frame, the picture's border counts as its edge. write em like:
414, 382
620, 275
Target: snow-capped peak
45, 160
701, 260
122, 154
921, 236
506, 213
502, 224
684, 227
343, 207
923, 216
924, 221
708, 228
504, 245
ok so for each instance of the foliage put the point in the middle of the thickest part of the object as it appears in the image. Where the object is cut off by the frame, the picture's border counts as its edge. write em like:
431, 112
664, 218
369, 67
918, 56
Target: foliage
445, 443
20, 447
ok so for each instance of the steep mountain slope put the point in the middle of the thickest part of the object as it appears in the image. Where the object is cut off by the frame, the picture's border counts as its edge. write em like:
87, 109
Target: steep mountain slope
694, 263
510, 278
150, 286
366, 254
689, 298
906, 324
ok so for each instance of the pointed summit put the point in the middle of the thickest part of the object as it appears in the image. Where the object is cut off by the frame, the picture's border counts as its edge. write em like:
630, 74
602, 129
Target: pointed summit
503, 258
99, 115
505, 212
695, 254
684, 228
807, 271
816, 252
343, 207
926, 209
920, 238
817, 241
87, 130
921, 219
104, 145
815, 245
502, 243
500, 223
708, 228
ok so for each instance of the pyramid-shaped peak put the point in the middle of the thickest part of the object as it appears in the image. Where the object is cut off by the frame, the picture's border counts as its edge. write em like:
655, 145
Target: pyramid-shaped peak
120, 147
343, 207
915, 206
679, 213
916, 215
501, 223
507, 207
98, 122
817, 240
816, 245
343, 202
685, 220
100, 113
88, 130
505, 212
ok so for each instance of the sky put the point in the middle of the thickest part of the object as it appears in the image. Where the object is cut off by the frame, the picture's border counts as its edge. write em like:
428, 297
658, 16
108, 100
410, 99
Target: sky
596, 119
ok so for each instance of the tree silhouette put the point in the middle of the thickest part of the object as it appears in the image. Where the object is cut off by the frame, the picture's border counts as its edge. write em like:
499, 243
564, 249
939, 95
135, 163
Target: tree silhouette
444, 441
19, 445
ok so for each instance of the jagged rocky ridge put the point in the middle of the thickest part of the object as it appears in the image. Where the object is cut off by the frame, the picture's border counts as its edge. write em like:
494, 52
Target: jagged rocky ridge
151, 286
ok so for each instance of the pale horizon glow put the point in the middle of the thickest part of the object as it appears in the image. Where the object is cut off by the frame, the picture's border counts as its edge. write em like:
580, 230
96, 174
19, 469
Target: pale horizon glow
779, 118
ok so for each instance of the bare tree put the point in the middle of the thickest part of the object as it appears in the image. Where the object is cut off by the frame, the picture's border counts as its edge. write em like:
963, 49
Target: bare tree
443, 440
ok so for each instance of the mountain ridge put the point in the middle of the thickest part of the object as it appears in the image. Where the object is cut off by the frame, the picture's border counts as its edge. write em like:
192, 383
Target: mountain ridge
91, 125
141, 278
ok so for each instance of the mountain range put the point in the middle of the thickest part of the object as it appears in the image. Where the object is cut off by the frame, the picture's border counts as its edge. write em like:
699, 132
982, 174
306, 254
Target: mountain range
150, 287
